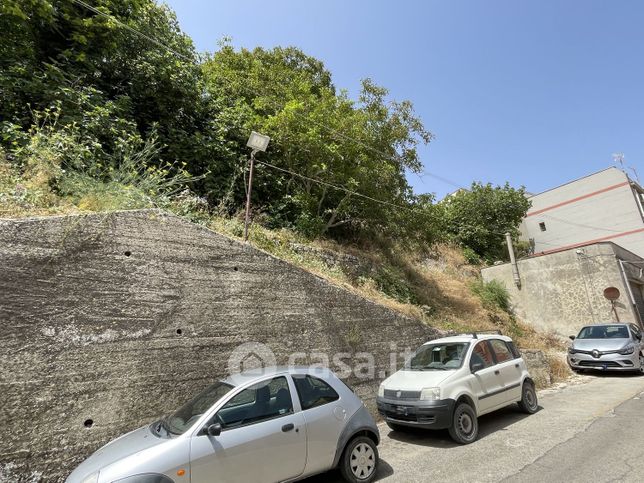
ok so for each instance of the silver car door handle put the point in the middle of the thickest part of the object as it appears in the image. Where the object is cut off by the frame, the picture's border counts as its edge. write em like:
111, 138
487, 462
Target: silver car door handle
288, 427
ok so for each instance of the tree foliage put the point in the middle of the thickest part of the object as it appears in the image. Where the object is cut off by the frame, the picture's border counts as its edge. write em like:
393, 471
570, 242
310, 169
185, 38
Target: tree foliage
319, 133
478, 218
116, 89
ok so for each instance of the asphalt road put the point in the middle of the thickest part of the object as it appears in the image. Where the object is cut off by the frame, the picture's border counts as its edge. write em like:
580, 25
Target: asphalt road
590, 430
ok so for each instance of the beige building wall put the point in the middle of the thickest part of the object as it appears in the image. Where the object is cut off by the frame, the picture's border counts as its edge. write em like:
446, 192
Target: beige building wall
563, 291
605, 206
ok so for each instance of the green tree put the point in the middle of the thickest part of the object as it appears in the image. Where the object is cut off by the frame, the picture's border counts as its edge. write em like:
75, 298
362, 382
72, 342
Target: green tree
365, 146
478, 218
59, 51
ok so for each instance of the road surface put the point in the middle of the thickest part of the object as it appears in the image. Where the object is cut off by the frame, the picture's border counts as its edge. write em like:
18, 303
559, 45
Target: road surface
590, 430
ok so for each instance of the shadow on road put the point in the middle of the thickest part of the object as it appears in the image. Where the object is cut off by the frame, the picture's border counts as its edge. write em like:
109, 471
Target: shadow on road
491, 423
384, 470
615, 374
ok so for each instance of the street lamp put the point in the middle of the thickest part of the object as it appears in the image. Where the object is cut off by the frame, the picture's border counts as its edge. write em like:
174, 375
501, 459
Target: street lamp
257, 142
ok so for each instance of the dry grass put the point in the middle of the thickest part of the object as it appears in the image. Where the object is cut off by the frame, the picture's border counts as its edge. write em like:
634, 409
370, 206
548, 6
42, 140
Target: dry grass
433, 286
559, 370
440, 281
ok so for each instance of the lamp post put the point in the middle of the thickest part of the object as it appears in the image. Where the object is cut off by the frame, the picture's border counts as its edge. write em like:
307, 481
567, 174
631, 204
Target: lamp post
257, 142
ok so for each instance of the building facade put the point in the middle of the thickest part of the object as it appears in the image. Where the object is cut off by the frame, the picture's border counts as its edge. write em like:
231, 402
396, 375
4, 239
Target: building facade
604, 206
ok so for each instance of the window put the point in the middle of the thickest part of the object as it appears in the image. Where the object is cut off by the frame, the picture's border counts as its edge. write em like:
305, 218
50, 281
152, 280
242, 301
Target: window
262, 401
604, 332
501, 351
542, 226
438, 357
514, 350
482, 353
314, 392
190, 412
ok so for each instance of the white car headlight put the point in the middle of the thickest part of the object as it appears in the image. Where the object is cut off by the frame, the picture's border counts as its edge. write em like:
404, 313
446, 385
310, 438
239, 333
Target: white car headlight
627, 350
93, 478
381, 390
430, 394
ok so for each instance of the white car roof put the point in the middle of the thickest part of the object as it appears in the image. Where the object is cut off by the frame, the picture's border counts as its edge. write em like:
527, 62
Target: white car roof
468, 338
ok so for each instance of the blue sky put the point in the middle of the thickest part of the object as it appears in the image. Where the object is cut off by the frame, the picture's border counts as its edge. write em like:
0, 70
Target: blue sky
532, 92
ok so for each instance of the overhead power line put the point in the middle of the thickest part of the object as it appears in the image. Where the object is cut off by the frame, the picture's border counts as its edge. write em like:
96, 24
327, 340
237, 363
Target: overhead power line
131, 29
324, 183
346, 137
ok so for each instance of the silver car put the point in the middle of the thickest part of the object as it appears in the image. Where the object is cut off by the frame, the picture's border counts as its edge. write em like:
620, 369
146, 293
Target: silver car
607, 347
269, 425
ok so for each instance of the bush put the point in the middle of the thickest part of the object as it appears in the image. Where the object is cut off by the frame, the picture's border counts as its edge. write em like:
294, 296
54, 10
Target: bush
63, 166
493, 294
395, 285
471, 256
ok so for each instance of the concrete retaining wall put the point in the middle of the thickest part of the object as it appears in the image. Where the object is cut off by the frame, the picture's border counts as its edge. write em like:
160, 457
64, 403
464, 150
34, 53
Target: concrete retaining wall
561, 292
112, 320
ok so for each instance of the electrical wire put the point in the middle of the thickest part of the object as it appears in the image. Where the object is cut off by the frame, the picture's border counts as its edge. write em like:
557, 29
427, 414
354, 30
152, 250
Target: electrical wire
396, 159
324, 183
322, 125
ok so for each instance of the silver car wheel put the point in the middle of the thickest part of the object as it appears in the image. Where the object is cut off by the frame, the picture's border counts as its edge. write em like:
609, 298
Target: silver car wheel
363, 461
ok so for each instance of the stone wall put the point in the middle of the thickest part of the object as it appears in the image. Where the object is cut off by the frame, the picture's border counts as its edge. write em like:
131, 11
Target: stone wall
112, 320
563, 291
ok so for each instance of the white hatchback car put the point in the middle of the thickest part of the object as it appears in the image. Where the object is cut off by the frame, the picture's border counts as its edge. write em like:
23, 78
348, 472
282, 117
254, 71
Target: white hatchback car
449, 382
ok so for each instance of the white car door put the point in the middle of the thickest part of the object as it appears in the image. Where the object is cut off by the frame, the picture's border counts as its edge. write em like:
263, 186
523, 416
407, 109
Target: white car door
510, 369
325, 415
486, 381
262, 438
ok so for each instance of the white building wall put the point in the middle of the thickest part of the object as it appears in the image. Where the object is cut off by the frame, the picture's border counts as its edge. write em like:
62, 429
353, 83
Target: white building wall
599, 207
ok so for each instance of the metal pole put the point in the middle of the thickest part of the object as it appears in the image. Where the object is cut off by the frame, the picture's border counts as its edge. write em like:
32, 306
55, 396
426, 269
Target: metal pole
513, 261
250, 187
612, 302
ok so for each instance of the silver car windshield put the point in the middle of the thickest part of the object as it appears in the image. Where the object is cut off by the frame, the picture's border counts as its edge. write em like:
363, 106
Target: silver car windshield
604, 332
189, 413
439, 357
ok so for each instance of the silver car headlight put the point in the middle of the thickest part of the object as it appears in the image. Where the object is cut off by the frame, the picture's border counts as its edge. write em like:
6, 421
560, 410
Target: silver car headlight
571, 350
93, 478
381, 390
430, 394
627, 350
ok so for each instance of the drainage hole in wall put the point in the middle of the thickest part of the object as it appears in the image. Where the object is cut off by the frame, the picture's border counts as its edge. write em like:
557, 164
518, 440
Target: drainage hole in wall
179, 331
235, 268
88, 423
127, 253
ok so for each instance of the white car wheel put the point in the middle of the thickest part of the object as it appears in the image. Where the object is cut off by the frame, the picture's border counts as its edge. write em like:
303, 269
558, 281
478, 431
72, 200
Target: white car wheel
363, 461
360, 460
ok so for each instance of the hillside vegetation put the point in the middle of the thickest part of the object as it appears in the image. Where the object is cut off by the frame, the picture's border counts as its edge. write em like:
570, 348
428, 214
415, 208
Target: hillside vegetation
94, 117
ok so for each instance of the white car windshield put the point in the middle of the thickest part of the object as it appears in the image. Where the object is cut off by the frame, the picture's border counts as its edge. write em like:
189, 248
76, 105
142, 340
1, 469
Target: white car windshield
445, 356
189, 413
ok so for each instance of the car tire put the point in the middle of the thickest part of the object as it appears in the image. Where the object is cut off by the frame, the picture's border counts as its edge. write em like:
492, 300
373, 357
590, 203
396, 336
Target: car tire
396, 427
529, 403
359, 462
465, 424
641, 369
